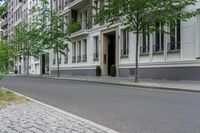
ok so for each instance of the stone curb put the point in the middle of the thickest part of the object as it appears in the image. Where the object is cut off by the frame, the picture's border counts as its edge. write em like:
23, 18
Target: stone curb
154, 87
68, 114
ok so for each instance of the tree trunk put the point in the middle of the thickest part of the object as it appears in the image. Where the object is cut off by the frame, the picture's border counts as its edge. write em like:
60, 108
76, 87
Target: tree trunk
136, 57
58, 66
27, 67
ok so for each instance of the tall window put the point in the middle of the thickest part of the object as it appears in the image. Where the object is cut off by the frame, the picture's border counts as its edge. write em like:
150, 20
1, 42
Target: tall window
159, 38
54, 57
59, 58
96, 48
96, 6
175, 37
74, 52
85, 50
85, 19
66, 21
124, 43
145, 43
63, 26
80, 19
79, 52
66, 56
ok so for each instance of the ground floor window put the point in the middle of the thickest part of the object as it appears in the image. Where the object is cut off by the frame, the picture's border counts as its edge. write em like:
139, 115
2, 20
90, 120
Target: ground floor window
66, 56
54, 57
145, 46
73, 52
79, 52
159, 38
84, 50
59, 58
175, 37
96, 48
124, 43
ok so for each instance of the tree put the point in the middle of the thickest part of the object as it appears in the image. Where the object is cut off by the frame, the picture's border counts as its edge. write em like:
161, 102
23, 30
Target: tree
55, 37
52, 34
7, 54
26, 42
3, 6
140, 16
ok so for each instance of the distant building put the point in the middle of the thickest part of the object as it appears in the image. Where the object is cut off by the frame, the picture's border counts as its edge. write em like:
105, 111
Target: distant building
17, 12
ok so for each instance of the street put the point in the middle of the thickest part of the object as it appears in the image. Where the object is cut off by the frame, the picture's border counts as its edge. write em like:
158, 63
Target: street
124, 109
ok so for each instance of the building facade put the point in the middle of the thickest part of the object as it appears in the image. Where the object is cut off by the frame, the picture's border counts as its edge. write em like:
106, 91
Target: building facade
35, 63
16, 9
17, 12
161, 56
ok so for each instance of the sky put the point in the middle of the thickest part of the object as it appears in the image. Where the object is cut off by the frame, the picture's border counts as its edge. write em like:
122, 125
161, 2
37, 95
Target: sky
1, 1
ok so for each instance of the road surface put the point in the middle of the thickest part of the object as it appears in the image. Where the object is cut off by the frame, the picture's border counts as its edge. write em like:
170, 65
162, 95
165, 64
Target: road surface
125, 109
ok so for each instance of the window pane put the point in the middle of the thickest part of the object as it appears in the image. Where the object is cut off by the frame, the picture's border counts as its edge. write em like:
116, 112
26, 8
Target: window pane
144, 42
157, 37
178, 34
172, 37
125, 37
97, 44
79, 48
162, 37
74, 49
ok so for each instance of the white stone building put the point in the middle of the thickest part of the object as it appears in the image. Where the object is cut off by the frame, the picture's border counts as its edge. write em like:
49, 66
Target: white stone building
161, 56
18, 11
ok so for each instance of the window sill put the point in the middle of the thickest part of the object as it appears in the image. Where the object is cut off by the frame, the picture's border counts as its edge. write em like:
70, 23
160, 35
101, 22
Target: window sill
158, 52
124, 56
95, 59
144, 54
174, 51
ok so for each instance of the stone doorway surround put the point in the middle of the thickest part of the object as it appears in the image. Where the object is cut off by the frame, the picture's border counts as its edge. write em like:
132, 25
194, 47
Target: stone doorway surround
104, 50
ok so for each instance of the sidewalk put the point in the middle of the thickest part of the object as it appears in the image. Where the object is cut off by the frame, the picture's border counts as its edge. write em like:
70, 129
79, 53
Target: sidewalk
176, 85
36, 117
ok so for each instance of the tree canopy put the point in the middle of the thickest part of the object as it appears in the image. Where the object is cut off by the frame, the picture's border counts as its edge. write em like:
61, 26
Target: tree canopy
3, 6
7, 55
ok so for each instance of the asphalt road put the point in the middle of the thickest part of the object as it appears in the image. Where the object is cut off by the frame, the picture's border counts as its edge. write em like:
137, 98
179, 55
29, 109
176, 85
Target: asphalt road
125, 109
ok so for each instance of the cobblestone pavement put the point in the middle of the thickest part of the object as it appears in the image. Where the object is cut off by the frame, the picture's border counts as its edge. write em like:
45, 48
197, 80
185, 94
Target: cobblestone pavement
34, 118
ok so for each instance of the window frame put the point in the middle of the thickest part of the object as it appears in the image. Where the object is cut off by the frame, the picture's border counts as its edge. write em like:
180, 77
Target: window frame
174, 43
159, 37
96, 48
124, 43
